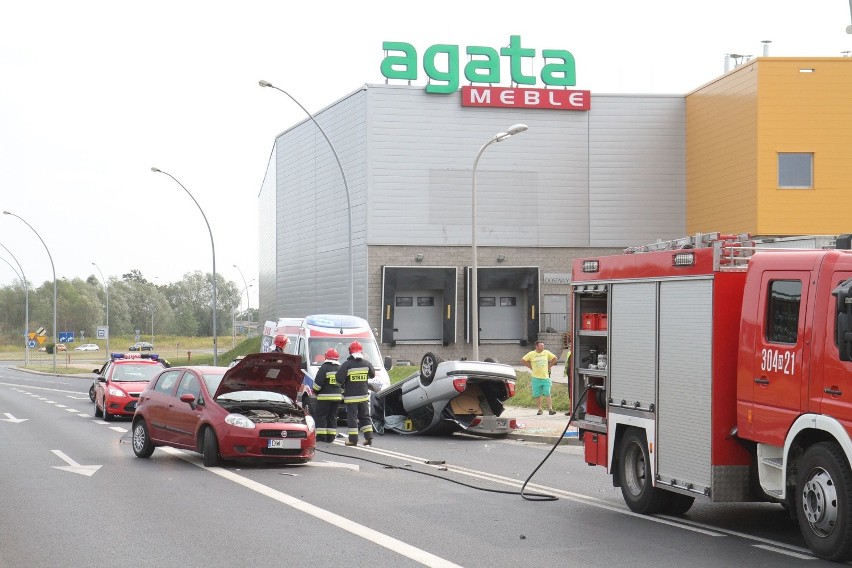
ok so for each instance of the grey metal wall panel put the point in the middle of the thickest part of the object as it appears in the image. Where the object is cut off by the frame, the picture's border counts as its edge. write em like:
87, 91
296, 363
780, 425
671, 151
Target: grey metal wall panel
637, 168
633, 343
313, 229
531, 188
573, 179
683, 427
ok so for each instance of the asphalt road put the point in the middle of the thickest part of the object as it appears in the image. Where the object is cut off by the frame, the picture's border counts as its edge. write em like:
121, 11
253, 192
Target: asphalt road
73, 494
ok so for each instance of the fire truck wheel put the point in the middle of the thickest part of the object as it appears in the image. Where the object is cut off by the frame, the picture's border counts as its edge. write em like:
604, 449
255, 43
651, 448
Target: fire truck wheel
635, 469
678, 504
823, 497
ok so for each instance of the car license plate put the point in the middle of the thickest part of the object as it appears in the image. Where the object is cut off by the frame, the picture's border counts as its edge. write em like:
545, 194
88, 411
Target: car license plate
284, 443
501, 423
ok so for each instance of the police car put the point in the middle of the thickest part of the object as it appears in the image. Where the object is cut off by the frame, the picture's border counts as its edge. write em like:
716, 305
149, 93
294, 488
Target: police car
119, 381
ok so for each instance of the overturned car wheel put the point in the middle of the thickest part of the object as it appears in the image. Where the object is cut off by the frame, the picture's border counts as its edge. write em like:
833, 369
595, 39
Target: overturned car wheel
428, 366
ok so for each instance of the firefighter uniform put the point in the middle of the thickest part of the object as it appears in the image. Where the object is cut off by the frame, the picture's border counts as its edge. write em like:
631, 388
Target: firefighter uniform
352, 377
329, 396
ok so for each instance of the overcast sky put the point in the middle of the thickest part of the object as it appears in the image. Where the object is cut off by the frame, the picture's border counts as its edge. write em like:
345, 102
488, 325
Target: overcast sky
92, 94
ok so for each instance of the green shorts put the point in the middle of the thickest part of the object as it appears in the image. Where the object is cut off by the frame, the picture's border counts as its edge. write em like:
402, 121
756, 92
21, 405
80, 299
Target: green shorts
540, 387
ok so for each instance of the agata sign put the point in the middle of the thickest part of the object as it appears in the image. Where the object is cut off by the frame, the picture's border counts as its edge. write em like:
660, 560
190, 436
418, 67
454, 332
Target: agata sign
484, 66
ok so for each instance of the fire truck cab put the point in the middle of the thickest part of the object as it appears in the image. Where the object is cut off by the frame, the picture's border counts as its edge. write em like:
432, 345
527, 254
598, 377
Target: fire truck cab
711, 368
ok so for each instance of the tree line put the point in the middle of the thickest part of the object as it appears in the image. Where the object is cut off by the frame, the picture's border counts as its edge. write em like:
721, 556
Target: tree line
179, 308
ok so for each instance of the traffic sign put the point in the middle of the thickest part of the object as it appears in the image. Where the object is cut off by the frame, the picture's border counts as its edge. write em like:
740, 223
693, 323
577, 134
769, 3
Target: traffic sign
31, 334
66, 337
31, 344
40, 339
41, 331
103, 332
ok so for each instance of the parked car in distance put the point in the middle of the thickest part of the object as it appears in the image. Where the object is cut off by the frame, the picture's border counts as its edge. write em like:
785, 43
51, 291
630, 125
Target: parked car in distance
61, 347
446, 397
245, 411
118, 383
141, 346
87, 347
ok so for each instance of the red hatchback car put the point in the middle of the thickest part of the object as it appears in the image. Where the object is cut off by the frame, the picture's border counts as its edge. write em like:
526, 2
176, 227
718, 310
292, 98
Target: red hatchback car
246, 411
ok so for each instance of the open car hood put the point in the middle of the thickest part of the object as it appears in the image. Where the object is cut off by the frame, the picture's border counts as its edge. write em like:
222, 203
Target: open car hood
276, 372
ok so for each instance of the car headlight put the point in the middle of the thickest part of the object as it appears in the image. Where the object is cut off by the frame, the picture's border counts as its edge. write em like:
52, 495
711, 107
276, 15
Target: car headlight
239, 421
113, 391
312, 425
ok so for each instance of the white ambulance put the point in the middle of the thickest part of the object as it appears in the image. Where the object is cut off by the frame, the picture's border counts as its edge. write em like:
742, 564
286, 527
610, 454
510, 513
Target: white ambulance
310, 337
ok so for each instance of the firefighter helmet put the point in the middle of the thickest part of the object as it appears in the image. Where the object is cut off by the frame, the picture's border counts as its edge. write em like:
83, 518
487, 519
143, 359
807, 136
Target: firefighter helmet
332, 354
355, 347
281, 341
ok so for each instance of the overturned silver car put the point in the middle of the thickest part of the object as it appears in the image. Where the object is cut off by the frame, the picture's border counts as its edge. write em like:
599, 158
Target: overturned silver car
446, 397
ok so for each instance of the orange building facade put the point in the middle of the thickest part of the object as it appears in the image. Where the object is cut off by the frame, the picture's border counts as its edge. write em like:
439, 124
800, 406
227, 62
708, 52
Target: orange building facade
769, 149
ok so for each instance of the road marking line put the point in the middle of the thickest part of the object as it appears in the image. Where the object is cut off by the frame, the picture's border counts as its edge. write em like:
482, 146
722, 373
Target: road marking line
765, 541
118, 429
381, 539
61, 406
787, 552
38, 388
352, 466
74, 410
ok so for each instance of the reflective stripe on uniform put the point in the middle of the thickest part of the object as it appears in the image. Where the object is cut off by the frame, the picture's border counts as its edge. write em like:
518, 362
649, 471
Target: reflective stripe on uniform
356, 399
330, 397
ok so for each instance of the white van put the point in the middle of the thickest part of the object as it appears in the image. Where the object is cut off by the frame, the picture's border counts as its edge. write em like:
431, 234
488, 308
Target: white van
310, 337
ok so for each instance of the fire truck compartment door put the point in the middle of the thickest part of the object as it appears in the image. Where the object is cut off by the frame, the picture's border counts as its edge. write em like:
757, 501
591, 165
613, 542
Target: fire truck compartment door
633, 344
685, 379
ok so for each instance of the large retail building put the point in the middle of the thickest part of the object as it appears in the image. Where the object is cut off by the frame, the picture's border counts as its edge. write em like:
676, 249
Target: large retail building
763, 149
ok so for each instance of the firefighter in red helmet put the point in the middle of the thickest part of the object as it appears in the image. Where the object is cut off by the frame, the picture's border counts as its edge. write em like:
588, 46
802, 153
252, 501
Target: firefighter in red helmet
352, 377
329, 396
281, 342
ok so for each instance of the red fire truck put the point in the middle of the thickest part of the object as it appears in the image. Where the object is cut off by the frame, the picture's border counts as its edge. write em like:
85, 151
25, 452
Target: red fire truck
710, 368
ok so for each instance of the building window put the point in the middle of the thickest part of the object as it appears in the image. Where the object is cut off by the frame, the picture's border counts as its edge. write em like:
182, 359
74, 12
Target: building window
795, 170
782, 317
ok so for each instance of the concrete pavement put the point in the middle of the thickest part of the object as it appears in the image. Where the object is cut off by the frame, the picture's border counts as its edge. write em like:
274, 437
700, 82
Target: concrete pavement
544, 428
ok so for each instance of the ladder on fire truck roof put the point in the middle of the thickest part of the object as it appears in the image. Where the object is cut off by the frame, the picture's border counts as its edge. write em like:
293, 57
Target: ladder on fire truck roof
732, 252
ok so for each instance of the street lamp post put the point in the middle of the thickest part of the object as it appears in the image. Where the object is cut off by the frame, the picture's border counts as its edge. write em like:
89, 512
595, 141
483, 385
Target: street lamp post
474, 292
263, 83
26, 307
234, 322
213, 247
106, 292
53, 269
248, 303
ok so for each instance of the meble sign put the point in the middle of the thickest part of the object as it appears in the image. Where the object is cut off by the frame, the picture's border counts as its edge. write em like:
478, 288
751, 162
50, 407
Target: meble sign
484, 66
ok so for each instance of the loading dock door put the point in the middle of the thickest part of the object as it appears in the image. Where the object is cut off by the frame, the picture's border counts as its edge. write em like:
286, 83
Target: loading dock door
434, 289
500, 285
501, 315
417, 315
